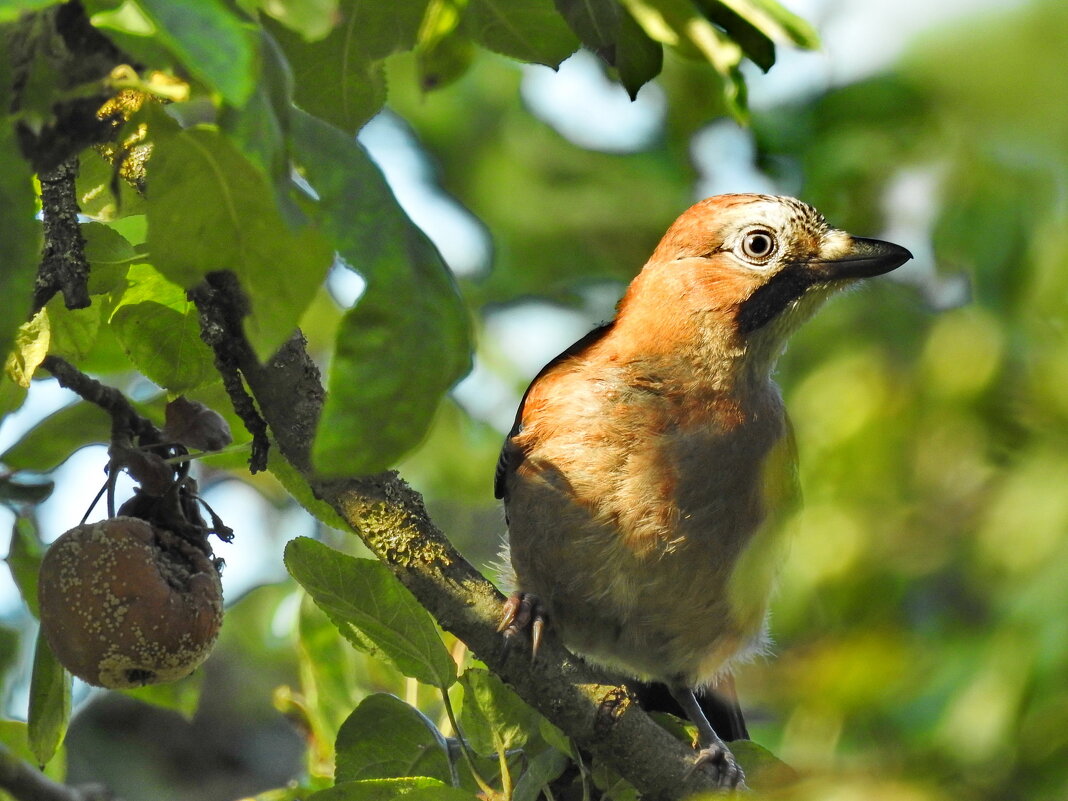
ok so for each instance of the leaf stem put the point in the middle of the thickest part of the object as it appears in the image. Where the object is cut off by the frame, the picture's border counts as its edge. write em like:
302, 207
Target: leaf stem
464, 748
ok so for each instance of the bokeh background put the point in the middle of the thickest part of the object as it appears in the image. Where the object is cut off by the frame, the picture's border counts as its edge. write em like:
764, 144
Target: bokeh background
921, 624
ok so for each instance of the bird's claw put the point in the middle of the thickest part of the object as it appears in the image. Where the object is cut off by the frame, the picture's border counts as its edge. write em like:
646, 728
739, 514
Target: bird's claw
728, 772
521, 612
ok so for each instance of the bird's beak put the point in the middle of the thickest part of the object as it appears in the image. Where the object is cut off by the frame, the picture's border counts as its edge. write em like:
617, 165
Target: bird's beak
861, 258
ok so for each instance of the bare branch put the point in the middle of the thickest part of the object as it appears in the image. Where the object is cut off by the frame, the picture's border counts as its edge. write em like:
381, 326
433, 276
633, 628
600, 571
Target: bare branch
123, 414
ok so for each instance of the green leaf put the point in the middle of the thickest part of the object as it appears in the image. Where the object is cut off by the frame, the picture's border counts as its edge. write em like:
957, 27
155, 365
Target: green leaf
22, 238
95, 191
340, 78
312, 19
609, 31
542, 769
526, 30
407, 340
297, 486
679, 24
11, 394
19, 490
331, 671
212, 43
412, 789
493, 717
386, 738
757, 45
774, 21
210, 209
31, 346
444, 60
72, 331
110, 256
24, 559
50, 688
260, 128
160, 330
56, 438
372, 609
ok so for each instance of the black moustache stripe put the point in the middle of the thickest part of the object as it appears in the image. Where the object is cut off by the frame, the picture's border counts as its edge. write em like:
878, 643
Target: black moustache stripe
769, 301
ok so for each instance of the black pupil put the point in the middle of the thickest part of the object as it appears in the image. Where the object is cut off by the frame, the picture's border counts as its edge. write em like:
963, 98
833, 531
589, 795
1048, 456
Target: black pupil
759, 244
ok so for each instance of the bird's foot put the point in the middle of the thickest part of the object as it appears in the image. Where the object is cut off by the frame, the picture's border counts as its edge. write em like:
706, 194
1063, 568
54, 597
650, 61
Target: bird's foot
521, 612
728, 772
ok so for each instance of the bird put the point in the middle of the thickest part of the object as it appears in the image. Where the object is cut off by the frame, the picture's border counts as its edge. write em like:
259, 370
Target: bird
650, 463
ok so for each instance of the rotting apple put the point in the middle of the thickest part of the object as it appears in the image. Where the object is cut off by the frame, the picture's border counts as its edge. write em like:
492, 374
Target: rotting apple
125, 603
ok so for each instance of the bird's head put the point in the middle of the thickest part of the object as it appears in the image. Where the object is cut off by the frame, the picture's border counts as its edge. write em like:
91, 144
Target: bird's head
740, 273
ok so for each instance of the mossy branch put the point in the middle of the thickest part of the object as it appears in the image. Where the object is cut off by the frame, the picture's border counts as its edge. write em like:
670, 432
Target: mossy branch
391, 518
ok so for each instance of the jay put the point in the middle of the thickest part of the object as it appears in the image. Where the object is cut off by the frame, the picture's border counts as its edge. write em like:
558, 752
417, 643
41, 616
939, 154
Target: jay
649, 462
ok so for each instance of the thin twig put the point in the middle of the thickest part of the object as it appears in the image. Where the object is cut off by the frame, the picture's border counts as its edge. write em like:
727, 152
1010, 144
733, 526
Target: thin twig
107, 398
218, 301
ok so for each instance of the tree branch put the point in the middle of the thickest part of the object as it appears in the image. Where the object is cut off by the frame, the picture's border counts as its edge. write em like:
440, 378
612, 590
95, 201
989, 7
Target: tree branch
124, 416
63, 264
390, 517
26, 783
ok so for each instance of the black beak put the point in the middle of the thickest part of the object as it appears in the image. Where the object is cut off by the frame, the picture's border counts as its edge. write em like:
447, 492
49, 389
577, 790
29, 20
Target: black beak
866, 258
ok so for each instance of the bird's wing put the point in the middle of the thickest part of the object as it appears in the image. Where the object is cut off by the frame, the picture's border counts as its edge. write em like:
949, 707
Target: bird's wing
511, 455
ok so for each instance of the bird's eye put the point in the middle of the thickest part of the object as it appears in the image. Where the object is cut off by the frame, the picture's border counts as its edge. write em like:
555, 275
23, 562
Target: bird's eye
758, 246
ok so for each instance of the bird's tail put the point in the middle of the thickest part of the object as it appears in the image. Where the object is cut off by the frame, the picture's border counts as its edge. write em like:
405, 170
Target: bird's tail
719, 703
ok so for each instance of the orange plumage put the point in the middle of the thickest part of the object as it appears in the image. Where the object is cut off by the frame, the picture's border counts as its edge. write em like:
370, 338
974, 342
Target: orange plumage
648, 459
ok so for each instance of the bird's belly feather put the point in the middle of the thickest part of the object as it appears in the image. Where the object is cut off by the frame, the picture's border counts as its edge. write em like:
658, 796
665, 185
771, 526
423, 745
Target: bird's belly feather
636, 574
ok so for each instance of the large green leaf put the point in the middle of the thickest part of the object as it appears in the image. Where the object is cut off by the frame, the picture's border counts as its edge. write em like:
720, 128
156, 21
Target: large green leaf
212, 42
372, 609
210, 209
527, 30
407, 340
340, 78
21, 239
50, 697
160, 330
386, 738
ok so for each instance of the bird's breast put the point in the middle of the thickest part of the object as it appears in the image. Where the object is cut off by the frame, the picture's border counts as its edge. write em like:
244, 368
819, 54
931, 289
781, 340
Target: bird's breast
629, 521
